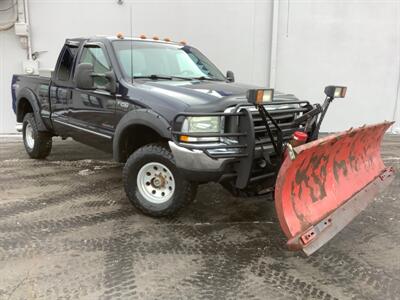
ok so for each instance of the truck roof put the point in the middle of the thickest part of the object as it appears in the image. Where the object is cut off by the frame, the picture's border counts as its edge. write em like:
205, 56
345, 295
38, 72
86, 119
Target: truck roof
154, 39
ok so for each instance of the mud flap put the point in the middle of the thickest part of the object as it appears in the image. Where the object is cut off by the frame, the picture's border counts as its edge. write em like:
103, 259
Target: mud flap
328, 183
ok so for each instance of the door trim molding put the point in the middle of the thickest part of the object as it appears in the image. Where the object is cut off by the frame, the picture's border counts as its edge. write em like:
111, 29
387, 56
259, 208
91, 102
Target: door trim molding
84, 129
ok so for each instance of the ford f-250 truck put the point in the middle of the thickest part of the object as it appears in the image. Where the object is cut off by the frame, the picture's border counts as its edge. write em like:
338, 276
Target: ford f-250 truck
176, 121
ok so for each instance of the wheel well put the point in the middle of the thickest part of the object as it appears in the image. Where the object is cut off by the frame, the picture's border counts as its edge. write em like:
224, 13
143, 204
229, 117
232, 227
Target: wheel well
134, 137
23, 108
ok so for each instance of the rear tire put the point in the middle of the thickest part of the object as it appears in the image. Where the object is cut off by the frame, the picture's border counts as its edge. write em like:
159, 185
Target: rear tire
37, 143
154, 184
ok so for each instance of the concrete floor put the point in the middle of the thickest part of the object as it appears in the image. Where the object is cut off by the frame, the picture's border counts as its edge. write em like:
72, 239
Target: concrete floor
67, 231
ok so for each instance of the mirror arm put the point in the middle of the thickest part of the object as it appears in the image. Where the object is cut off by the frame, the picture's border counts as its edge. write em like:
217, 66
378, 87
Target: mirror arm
98, 75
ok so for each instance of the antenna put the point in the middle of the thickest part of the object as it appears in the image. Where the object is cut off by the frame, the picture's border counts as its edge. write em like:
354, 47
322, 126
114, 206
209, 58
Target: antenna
131, 37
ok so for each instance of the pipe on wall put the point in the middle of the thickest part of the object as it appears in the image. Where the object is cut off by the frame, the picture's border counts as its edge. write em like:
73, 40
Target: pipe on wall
274, 43
26, 10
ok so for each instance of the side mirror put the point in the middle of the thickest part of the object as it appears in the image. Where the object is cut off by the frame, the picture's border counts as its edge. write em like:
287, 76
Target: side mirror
230, 76
83, 76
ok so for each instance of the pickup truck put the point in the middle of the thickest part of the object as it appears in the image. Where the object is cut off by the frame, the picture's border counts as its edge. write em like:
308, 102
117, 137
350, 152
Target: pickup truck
164, 110
177, 121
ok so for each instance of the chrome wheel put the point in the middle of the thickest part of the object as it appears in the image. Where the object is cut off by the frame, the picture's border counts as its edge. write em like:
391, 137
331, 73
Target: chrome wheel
156, 182
29, 138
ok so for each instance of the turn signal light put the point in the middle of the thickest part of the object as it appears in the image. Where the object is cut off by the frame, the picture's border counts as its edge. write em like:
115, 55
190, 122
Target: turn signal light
184, 138
260, 96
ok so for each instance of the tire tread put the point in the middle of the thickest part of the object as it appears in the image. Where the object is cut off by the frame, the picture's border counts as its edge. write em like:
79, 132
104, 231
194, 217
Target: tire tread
189, 188
43, 140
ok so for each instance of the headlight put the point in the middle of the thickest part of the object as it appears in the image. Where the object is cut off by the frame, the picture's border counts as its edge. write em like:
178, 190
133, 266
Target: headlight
260, 96
333, 91
206, 124
211, 124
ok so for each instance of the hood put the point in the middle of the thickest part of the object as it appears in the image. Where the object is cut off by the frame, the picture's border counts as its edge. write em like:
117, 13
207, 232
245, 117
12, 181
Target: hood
204, 95
169, 97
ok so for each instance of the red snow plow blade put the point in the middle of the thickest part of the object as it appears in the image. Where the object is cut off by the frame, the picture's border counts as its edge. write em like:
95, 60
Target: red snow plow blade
328, 183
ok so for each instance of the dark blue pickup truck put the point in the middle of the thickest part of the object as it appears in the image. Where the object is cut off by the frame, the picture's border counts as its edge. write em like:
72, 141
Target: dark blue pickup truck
167, 112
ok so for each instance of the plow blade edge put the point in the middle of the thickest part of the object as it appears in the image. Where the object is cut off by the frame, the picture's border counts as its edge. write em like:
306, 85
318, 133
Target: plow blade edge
328, 183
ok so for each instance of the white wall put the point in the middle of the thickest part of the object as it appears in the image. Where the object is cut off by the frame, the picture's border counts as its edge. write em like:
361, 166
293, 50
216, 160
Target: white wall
233, 34
11, 56
352, 43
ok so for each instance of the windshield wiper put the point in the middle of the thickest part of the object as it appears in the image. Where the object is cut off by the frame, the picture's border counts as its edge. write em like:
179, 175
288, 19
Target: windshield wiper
206, 78
155, 76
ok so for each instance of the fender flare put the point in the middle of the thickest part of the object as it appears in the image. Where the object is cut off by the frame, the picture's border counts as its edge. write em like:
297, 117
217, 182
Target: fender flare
29, 95
143, 117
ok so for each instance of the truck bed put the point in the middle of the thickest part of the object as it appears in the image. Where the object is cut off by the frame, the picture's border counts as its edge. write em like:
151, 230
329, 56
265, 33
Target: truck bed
36, 83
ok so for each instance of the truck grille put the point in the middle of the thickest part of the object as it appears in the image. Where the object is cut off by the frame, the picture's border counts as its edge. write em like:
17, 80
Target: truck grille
284, 117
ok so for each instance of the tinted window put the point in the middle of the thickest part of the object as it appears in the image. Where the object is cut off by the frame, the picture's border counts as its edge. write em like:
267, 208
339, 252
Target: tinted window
66, 64
96, 56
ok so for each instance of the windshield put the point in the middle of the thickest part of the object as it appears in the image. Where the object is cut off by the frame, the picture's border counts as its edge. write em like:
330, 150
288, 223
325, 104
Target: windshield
141, 59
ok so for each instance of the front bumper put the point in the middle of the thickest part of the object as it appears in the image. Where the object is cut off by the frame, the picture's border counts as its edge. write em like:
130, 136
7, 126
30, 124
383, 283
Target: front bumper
197, 165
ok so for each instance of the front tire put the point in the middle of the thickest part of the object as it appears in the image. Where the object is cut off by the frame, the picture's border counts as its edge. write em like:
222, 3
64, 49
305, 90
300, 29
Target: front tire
154, 184
37, 143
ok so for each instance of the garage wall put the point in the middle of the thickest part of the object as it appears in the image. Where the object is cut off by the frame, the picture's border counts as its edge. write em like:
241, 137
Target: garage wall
10, 62
352, 43
233, 34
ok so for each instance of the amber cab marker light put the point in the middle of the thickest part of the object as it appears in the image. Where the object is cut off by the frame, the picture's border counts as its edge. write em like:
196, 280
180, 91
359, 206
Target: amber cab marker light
120, 35
184, 138
167, 39
156, 38
142, 36
182, 42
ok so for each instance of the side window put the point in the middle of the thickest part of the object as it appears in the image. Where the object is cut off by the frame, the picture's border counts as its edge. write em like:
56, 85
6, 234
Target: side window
96, 56
66, 63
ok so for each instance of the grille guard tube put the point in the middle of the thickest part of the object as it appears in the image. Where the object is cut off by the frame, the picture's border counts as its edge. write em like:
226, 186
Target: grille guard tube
252, 138
304, 108
329, 182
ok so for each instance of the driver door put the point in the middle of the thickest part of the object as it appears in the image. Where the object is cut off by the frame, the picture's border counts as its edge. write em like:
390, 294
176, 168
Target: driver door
92, 112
